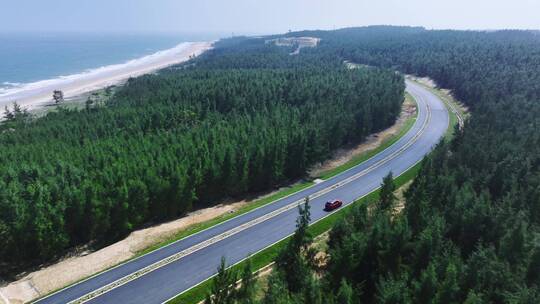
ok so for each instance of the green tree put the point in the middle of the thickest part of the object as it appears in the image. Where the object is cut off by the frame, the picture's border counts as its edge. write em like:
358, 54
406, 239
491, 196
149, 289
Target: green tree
392, 291
386, 194
223, 290
533, 269
246, 292
426, 288
8, 115
449, 290
345, 294
296, 260
474, 298
58, 96
312, 291
277, 292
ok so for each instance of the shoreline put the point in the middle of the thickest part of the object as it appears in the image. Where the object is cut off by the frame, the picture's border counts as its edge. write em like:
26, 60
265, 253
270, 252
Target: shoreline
39, 94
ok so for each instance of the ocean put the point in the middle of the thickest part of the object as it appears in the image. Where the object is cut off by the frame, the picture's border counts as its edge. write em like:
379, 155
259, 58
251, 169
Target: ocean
27, 60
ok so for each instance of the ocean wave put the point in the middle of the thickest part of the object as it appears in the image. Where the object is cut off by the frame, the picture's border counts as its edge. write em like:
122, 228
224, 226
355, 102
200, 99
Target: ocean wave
19, 90
6, 86
11, 84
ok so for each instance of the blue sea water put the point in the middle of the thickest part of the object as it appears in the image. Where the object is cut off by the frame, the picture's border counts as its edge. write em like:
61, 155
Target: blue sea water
31, 57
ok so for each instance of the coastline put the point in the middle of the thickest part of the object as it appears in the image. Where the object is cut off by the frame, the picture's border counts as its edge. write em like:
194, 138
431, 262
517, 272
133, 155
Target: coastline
39, 94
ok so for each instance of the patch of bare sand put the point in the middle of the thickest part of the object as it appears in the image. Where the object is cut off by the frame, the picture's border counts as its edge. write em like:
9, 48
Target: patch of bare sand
400, 197
342, 156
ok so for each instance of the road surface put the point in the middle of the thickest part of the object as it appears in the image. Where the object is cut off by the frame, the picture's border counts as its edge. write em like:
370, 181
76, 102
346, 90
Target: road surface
162, 274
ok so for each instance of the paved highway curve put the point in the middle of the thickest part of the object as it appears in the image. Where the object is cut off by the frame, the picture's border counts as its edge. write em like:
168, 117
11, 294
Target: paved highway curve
166, 272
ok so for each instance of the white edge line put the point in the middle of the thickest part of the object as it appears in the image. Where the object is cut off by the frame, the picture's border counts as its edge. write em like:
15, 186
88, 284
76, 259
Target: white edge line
211, 227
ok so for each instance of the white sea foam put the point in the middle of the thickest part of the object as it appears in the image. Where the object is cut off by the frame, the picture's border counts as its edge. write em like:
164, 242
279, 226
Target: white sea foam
11, 84
15, 91
6, 86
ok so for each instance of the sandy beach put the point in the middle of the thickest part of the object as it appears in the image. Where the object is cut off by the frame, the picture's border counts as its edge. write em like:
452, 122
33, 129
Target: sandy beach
38, 94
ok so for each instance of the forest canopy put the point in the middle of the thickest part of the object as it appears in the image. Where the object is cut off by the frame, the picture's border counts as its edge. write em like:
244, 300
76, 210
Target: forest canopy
243, 118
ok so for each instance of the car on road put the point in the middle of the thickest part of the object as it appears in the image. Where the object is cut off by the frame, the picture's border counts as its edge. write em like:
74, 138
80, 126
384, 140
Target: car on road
332, 205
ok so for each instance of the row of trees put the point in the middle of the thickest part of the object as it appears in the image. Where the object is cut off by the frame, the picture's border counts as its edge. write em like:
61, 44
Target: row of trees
170, 143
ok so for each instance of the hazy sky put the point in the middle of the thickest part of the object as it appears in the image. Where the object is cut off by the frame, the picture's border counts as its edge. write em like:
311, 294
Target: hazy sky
256, 16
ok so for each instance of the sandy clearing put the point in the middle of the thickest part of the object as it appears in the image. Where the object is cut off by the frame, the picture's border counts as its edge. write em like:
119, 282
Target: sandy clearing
301, 42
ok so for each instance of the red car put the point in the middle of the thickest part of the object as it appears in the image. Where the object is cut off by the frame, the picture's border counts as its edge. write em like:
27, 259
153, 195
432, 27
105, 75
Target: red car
333, 205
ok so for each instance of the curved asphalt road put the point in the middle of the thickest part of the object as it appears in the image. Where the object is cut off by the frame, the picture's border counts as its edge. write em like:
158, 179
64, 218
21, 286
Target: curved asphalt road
168, 281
